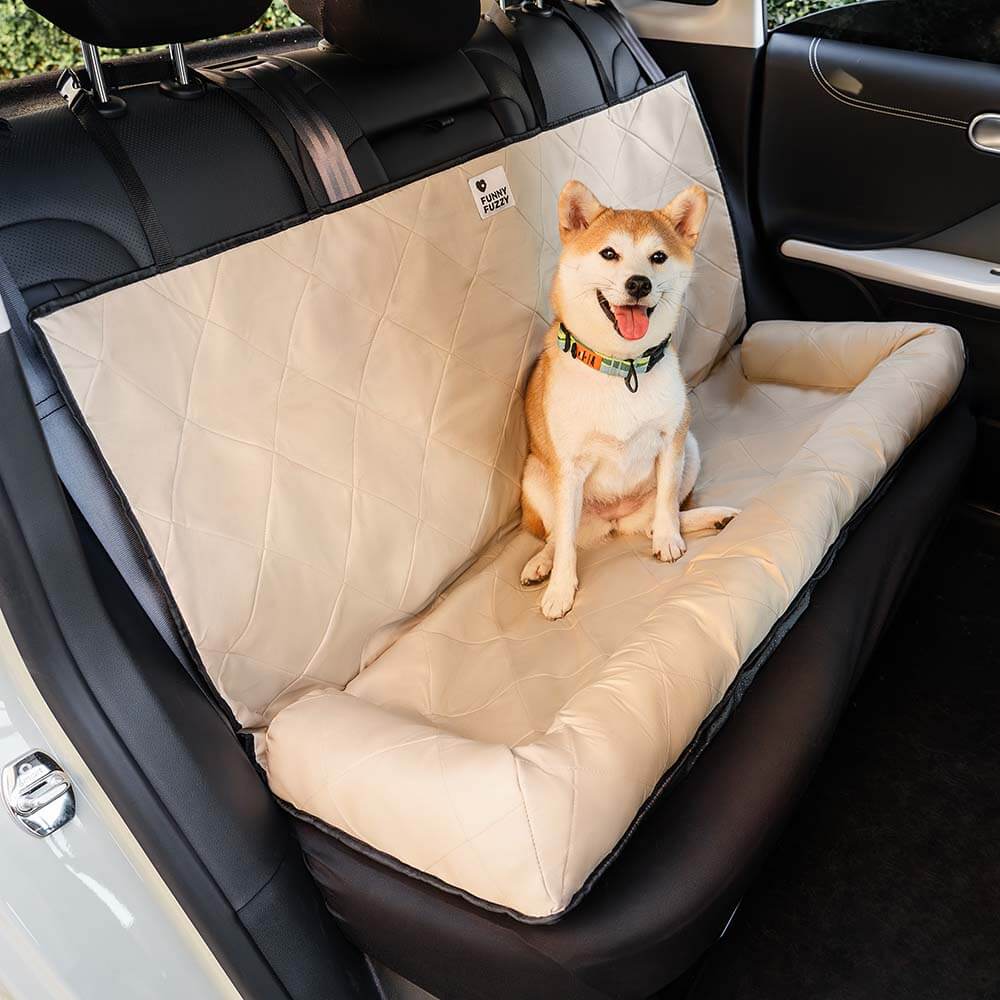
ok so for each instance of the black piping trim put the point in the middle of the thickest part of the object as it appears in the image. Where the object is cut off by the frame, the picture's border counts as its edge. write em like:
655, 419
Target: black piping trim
706, 732
195, 666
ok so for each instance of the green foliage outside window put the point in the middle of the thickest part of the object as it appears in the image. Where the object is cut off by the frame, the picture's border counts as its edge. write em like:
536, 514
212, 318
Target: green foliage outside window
29, 44
782, 11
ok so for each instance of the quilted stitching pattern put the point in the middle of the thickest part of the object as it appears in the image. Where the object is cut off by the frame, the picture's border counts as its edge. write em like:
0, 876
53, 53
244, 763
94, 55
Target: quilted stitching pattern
322, 430
319, 429
535, 743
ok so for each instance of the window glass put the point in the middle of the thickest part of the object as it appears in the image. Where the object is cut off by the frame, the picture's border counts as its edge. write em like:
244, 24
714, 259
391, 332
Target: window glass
966, 29
780, 12
29, 44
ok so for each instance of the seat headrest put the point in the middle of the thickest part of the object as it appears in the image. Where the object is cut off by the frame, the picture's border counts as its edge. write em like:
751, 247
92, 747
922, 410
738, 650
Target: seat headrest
127, 23
387, 31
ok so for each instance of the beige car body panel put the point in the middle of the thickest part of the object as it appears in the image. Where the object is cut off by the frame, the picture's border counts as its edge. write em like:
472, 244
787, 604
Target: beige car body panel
83, 912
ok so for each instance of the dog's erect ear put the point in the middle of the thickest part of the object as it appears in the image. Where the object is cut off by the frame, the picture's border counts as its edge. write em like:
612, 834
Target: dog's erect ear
577, 209
687, 213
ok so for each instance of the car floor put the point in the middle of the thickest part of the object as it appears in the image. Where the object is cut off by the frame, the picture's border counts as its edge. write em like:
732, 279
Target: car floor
887, 882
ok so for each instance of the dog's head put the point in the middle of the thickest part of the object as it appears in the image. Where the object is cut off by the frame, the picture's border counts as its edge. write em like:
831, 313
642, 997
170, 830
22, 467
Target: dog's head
622, 273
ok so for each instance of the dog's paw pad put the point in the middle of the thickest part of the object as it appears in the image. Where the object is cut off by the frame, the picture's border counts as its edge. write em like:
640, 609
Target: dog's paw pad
723, 521
536, 569
557, 600
669, 548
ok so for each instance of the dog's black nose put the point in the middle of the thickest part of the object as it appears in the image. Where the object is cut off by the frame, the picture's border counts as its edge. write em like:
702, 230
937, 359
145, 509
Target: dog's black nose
638, 285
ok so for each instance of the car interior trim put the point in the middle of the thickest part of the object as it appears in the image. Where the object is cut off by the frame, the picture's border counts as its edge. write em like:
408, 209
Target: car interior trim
966, 279
726, 22
863, 105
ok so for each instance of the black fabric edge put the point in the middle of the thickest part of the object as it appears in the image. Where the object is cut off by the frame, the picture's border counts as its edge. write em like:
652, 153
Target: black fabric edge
710, 725
727, 197
251, 236
137, 536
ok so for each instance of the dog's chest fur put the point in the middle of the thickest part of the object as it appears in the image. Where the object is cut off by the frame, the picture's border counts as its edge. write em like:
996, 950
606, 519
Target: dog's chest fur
595, 422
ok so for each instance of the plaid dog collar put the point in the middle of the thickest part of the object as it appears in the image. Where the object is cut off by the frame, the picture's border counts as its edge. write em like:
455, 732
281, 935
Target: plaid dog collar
627, 368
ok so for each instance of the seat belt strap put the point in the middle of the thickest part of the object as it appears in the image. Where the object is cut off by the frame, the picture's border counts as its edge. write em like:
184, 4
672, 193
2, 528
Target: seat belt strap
317, 137
292, 161
607, 86
85, 478
93, 123
14, 318
506, 26
649, 66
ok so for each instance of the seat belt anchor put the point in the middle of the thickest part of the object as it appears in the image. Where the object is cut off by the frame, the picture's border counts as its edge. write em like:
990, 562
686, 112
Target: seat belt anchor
73, 89
69, 86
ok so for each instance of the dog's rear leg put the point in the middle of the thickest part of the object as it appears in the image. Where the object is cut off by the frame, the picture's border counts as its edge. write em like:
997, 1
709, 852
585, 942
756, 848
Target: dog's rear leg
706, 519
699, 518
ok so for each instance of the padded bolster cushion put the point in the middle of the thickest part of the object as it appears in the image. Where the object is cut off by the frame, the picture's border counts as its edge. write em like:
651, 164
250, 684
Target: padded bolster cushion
386, 31
129, 23
788, 352
507, 755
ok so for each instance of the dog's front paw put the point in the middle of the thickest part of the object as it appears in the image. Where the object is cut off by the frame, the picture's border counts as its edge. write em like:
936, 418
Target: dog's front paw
668, 546
538, 567
558, 598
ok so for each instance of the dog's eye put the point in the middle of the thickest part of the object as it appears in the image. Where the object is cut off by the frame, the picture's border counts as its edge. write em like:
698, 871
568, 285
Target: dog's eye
658, 258
608, 253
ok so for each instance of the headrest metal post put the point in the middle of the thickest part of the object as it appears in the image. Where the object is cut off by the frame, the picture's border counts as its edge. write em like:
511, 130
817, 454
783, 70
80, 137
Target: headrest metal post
182, 86
179, 63
107, 104
92, 62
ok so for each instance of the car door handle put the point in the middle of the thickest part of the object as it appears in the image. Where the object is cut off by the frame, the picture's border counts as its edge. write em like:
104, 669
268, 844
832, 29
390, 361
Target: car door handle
984, 132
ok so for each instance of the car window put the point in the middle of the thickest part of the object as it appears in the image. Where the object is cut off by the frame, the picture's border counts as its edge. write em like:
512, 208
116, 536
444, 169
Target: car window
781, 12
966, 29
29, 44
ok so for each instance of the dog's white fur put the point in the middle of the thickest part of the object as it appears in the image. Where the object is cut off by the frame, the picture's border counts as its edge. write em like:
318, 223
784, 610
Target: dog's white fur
603, 459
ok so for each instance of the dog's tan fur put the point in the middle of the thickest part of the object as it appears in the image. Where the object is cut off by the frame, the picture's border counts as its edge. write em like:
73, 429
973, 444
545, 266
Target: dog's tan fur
602, 461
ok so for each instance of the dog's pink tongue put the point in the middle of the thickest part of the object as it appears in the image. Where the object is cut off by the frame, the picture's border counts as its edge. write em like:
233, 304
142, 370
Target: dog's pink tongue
633, 321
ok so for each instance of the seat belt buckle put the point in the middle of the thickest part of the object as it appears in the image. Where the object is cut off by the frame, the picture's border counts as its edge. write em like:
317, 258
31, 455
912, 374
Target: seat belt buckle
69, 86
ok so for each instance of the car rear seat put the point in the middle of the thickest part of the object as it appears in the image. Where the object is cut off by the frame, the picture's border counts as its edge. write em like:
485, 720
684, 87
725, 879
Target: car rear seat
315, 423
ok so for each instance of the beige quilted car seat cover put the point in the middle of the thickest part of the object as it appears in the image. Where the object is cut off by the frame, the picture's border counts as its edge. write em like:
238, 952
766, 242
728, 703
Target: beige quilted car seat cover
321, 435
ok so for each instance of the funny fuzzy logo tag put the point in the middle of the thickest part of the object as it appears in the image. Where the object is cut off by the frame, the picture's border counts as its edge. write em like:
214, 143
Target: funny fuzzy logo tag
491, 192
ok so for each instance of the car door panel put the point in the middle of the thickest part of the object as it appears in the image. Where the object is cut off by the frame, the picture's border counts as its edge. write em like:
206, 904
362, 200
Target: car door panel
872, 199
865, 147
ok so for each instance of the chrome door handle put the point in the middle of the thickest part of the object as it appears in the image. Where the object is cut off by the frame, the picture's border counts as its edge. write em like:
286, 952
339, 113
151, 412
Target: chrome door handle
984, 132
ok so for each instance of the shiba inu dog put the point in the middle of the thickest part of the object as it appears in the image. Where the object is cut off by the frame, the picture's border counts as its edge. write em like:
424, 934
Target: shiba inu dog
610, 448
